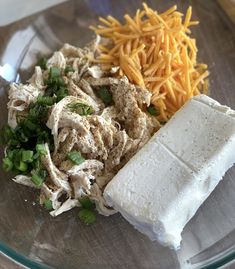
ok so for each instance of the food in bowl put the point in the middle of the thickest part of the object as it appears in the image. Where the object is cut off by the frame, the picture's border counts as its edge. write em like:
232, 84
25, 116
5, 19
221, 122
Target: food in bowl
77, 91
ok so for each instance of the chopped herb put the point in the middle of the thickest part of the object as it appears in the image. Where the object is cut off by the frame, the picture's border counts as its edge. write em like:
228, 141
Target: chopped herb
56, 84
48, 204
27, 156
87, 203
45, 100
20, 160
37, 180
68, 69
42, 62
152, 110
21, 166
105, 95
6, 135
87, 216
43, 173
40, 148
61, 93
54, 78
30, 125
75, 157
54, 72
7, 164
81, 109
38, 113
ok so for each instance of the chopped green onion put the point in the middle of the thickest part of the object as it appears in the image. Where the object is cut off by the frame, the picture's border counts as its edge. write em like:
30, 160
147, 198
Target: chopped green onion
37, 180
81, 109
75, 157
56, 84
60, 81
87, 216
42, 62
61, 93
11, 153
43, 173
87, 203
42, 137
6, 134
23, 137
45, 100
21, 166
48, 204
40, 148
30, 125
7, 164
105, 95
68, 69
36, 156
38, 112
152, 110
54, 72
27, 156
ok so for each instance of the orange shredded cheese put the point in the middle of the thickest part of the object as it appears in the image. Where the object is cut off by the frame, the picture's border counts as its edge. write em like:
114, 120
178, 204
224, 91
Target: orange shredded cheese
155, 51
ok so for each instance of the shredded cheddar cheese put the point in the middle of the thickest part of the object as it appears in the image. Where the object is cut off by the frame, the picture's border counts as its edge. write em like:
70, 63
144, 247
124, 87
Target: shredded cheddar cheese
155, 51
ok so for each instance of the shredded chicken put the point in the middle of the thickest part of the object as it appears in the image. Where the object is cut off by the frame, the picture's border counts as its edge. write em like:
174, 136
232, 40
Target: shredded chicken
20, 96
107, 138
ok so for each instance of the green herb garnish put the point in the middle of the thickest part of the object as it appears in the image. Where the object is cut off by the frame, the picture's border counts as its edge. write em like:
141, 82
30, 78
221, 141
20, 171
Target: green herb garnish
56, 85
42, 62
68, 69
48, 204
81, 109
21, 166
6, 135
61, 93
105, 95
45, 100
7, 164
37, 180
87, 203
75, 157
38, 177
87, 213
152, 110
27, 156
87, 216
54, 72
40, 148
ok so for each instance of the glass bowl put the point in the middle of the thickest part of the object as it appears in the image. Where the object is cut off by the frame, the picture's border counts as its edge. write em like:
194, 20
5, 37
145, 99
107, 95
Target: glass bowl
29, 235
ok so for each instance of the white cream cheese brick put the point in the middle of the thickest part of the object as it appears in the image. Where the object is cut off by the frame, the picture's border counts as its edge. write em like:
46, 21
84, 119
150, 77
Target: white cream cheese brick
162, 186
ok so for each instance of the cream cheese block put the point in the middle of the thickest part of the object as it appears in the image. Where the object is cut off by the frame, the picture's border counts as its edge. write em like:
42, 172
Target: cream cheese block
160, 189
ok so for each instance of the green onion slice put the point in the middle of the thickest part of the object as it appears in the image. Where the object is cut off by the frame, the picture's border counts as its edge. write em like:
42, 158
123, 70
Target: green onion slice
87, 216
37, 180
40, 148
75, 157
27, 156
80, 108
7, 164
48, 204
87, 203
